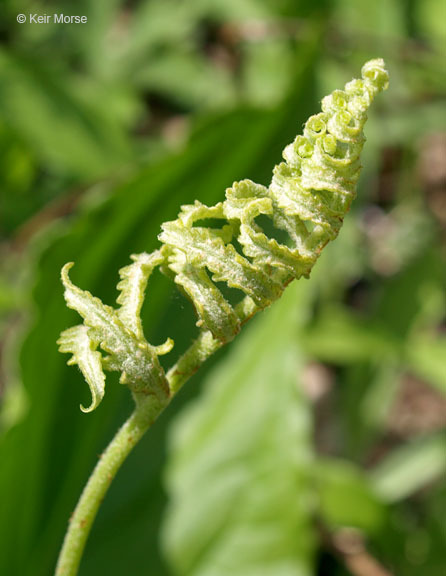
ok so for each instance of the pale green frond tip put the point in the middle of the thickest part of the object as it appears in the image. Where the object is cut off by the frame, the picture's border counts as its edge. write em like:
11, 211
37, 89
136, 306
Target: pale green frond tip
376, 73
165, 348
310, 193
64, 273
77, 342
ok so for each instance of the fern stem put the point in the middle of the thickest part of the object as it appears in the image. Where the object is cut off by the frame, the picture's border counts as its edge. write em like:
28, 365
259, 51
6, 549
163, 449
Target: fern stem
146, 412
203, 347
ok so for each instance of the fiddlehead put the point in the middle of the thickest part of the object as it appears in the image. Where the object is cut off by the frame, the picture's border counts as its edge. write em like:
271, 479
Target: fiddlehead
310, 193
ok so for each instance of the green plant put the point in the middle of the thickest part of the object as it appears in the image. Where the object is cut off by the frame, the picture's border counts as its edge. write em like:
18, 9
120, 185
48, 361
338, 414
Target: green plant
307, 200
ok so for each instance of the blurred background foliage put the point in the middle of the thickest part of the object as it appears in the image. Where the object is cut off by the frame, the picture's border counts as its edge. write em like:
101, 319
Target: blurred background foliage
314, 445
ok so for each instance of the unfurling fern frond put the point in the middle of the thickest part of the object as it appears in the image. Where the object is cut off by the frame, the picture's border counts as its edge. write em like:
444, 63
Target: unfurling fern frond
310, 193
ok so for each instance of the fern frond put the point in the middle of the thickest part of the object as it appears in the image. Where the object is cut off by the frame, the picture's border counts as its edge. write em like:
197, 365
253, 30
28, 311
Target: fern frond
309, 195
135, 358
106, 329
133, 284
76, 341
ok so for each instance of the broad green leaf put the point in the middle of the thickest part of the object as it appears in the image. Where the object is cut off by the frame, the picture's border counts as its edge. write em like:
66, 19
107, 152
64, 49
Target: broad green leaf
411, 467
430, 16
426, 356
340, 337
188, 79
383, 18
270, 58
238, 471
346, 497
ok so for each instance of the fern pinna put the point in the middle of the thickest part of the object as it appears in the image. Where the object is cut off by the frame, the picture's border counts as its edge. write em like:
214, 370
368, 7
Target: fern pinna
309, 195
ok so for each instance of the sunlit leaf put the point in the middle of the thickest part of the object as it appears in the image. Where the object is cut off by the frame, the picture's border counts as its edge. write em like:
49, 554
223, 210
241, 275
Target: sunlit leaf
238, 475
346, 497
427, 358
411, 467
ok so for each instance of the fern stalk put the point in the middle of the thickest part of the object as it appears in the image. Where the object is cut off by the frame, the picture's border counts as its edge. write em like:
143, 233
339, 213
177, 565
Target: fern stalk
310, 193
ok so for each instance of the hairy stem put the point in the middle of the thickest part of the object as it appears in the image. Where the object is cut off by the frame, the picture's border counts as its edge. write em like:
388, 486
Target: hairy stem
147, 410
94, 492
